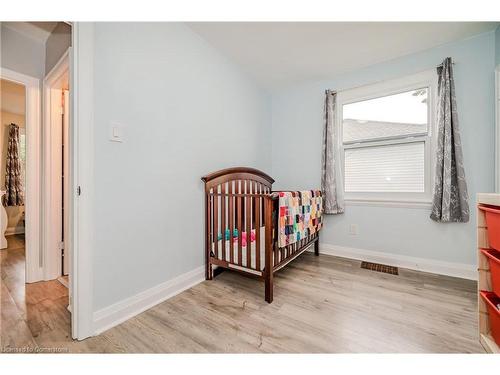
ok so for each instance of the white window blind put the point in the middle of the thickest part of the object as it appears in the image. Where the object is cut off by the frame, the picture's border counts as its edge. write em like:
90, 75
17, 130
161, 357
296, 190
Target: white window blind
386, 168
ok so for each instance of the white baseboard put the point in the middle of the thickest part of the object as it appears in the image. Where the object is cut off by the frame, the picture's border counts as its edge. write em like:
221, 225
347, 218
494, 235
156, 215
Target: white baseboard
461, 270
119, 312
63, 281
14, 230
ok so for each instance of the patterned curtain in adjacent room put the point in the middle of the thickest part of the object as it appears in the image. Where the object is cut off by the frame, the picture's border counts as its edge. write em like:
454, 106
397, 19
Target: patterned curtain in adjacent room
331, 176
450, 203
13, 177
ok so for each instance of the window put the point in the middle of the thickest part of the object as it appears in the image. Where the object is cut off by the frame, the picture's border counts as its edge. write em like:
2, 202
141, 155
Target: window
386, 140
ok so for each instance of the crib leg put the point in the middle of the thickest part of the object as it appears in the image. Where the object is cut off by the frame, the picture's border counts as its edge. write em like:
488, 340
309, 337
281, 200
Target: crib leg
269, 287
269, 262
316, 247
209, 272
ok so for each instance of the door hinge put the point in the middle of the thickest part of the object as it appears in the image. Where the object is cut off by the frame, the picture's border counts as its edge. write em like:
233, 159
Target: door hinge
78, 191
61, 246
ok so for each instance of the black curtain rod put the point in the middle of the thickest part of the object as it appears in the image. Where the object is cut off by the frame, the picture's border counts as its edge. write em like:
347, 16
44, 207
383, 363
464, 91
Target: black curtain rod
355, 87
440, 65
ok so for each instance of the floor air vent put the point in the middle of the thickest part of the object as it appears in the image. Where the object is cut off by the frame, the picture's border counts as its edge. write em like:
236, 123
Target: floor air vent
380, 268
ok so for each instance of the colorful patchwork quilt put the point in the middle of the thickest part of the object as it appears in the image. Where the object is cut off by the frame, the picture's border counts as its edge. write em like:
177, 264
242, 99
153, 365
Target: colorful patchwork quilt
300, 215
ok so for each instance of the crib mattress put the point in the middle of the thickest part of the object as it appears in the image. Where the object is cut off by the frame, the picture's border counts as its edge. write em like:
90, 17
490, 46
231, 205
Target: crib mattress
253, 250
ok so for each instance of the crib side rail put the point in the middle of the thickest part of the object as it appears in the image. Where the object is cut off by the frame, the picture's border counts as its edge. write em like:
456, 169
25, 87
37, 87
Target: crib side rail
234, 216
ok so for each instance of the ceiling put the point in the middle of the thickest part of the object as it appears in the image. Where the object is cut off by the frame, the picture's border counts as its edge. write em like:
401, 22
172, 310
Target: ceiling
12, 97
279, 54
39, 31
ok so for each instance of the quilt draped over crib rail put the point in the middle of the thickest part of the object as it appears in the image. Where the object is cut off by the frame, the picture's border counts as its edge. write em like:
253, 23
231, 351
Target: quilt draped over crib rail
300, 215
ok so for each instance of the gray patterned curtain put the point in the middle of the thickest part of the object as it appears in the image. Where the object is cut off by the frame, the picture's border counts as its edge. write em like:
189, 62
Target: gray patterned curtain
331, 178
13, 177
450, 203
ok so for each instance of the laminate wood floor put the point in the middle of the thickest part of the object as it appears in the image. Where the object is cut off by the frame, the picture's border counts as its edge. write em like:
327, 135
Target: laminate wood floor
322, 304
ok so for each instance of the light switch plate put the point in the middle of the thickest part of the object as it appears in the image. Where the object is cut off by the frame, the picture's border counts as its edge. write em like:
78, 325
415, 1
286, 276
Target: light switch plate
353, 229
115, 132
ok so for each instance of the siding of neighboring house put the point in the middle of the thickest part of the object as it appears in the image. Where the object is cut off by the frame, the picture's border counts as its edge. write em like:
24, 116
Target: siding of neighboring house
356, 129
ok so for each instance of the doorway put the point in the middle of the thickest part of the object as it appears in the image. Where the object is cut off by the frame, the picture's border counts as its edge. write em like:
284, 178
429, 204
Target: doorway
57, 172
12, 185
21, 216
35, 277
25, 291
79, 233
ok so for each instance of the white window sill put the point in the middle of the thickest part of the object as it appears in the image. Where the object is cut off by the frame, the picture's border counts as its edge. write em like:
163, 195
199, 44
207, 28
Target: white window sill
419, 204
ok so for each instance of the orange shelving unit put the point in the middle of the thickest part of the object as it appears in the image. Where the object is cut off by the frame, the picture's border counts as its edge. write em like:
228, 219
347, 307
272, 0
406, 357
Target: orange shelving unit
484, 274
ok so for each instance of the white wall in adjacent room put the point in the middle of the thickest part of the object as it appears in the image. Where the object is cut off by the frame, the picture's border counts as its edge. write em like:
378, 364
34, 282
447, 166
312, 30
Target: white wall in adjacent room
22, 53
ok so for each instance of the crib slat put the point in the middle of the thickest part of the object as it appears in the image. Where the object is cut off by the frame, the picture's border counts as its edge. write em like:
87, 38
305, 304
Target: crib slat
242, 192
257, 232
231, 223
223, 219
238, 225
215, 232
209, 225
254, 191
262, 191
276, 252
249, 224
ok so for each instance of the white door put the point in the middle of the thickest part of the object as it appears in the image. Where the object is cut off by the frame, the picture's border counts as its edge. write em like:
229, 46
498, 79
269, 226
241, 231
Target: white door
65, 184
55, 171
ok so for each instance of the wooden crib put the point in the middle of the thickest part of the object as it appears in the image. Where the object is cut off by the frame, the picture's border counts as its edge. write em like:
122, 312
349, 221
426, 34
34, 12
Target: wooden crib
241, 226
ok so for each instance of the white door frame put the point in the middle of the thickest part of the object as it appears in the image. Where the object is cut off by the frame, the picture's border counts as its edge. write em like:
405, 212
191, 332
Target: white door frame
81, 61
497, 127
82, 178
80, 193
66, 213
52, 155
34, 254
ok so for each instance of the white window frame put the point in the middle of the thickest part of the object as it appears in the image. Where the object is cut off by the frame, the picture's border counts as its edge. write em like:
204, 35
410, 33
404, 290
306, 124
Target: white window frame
426, 79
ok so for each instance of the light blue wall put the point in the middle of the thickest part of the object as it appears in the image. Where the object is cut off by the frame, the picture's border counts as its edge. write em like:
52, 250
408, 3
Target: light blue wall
296, 152
186, 111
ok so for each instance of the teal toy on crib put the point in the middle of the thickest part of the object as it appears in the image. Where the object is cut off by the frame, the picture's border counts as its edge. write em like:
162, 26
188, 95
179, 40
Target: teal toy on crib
235, 234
